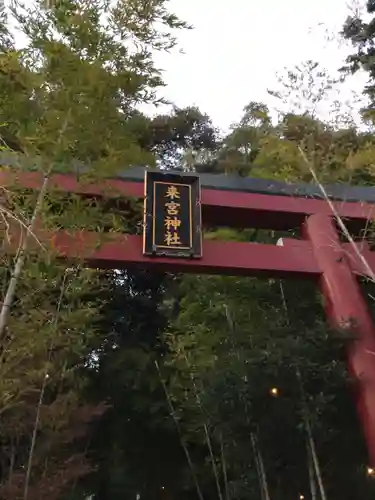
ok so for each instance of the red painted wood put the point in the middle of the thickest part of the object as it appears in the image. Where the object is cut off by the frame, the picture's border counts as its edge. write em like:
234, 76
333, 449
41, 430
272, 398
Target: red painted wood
219, 207
70, 183
280, 212
324, 257
346, 306
125, 251
356, 264
250, 259
295, 257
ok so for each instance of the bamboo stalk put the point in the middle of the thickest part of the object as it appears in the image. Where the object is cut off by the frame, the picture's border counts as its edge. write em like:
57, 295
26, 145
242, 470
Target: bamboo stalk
44, 385
20, 262
339, 219
312, 478
262, 477
313, 462
182, 441
206, 433
257, 464
33, 440
310, 440
12, 461
263, 472
263, 483
224, 467
316, 464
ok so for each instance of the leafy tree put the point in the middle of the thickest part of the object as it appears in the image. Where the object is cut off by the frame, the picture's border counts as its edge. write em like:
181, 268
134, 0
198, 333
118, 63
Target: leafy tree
135, 443
255, 384
175, 136
361, 34
69, 95
257, 380
230, 349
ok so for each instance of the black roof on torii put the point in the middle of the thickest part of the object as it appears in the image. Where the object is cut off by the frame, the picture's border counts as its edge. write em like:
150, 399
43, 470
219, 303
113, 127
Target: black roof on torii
339, 192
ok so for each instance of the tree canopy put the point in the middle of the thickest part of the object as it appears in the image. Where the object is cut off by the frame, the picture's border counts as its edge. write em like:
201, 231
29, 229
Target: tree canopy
147, 385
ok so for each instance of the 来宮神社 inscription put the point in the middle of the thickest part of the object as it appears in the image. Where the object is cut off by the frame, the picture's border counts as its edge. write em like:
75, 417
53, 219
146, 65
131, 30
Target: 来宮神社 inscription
172, 222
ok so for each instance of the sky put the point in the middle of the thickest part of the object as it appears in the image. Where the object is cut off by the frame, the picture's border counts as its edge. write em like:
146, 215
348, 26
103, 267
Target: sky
237, 47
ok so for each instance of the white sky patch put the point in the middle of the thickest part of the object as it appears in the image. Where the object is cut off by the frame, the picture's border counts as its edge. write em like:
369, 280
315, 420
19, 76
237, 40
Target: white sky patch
236, 49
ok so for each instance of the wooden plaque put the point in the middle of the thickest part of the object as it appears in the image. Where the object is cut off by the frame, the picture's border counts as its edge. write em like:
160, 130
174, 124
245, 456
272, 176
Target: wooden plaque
172, 218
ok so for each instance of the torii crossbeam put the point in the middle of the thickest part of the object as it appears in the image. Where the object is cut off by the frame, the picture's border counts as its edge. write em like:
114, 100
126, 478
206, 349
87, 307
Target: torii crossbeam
254, 203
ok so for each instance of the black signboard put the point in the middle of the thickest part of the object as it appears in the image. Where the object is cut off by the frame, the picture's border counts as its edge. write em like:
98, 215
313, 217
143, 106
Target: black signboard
172, 220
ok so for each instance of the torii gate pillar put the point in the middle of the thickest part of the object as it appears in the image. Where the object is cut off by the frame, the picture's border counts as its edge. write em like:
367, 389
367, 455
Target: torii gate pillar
256, 203
347, 309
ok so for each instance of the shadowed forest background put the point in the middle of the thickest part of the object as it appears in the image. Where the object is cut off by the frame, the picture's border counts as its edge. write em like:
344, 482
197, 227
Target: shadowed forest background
147, 386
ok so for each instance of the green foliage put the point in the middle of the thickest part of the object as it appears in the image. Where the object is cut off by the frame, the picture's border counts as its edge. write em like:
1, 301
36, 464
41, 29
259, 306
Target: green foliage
175, 137
79, 349
231, 343
362, 34
258, 148
68, 97
232, 340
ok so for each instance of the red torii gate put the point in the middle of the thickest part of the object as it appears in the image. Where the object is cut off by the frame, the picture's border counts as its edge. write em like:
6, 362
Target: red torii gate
255, 203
